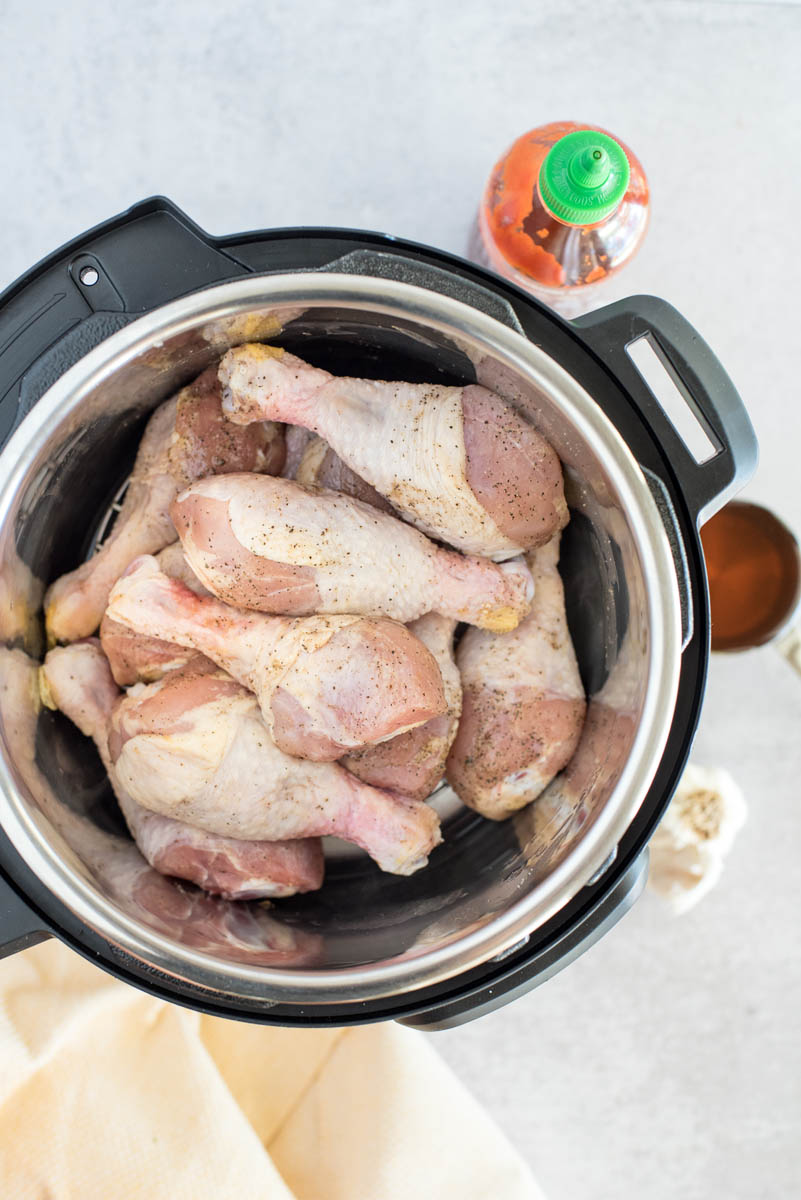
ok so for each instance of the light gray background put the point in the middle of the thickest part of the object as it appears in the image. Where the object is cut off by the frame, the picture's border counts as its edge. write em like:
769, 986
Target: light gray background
667, 1061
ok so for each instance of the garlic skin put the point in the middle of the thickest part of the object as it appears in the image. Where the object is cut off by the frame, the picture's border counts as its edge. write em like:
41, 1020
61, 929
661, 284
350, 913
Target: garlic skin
790, 646
695, 835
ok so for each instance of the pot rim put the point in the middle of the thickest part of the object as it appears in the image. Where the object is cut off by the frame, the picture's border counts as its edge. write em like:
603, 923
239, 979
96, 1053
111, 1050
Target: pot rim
390, 977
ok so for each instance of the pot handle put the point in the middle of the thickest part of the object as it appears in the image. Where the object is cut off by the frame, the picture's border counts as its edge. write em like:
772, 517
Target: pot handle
92, 287
702, 383
20, 926
519, 976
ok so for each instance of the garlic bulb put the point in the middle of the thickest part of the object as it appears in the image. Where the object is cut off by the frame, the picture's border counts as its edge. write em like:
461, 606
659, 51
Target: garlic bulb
695, 835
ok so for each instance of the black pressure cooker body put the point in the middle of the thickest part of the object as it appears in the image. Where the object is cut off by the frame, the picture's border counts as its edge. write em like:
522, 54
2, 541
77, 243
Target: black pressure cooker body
152, 254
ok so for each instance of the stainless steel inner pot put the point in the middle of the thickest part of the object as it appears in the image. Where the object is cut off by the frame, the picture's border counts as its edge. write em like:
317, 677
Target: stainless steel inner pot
365, 935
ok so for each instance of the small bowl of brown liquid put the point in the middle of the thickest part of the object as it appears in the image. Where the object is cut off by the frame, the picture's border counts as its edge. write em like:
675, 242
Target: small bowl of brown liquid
753, 562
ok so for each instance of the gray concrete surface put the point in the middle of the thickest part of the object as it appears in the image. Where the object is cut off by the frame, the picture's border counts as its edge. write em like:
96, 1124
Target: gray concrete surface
667, 1061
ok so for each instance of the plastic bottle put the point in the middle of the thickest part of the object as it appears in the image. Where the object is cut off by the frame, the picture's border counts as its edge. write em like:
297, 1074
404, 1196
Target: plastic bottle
565, 207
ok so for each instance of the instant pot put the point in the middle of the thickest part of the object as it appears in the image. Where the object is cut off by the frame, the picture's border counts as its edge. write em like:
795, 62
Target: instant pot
97, 335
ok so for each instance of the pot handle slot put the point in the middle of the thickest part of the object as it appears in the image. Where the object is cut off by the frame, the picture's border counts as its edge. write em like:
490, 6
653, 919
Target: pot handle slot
20, 926
382, 265
701, 383
519, 977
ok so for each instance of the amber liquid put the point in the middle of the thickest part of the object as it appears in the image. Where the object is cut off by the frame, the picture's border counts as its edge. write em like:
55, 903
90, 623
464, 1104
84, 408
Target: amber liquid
754, 571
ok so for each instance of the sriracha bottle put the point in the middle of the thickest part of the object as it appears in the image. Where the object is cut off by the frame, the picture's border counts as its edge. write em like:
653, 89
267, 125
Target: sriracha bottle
564, 208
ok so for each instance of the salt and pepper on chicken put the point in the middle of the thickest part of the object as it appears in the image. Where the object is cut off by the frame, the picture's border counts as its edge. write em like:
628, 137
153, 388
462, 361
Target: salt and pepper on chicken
458, 462
140, 658
302, 618
326, 684
272, 545
523, 706
77, 680
187, 438
414, 762
195, 748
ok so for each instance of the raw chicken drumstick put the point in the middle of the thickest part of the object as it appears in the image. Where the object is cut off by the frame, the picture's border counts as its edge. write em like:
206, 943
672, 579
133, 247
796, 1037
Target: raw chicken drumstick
186, 438
460, 463
172, 561
414, 762
523, 706
320, 467
326, 685
273, 545
296, 439
196, 748
77, 680
137, 658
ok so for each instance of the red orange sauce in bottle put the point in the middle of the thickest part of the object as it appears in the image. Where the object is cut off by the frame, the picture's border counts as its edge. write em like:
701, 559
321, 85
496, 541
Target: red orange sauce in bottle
520, 237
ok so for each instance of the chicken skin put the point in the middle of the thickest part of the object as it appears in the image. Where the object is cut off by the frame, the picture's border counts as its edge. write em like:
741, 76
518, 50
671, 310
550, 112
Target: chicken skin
320, 467
459, 463
523, 706
135, 657
272, 545
195, 748
186, 438
77, 680
414, 762
326, 684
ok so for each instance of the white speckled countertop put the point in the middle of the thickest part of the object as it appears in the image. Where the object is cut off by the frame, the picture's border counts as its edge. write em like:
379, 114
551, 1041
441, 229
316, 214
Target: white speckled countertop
667, 1061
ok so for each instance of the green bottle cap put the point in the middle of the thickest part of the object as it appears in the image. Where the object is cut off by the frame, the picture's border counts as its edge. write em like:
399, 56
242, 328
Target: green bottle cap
584, 177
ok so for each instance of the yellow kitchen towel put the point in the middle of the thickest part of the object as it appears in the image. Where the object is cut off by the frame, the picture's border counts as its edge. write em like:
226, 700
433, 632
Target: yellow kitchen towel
109, 1094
